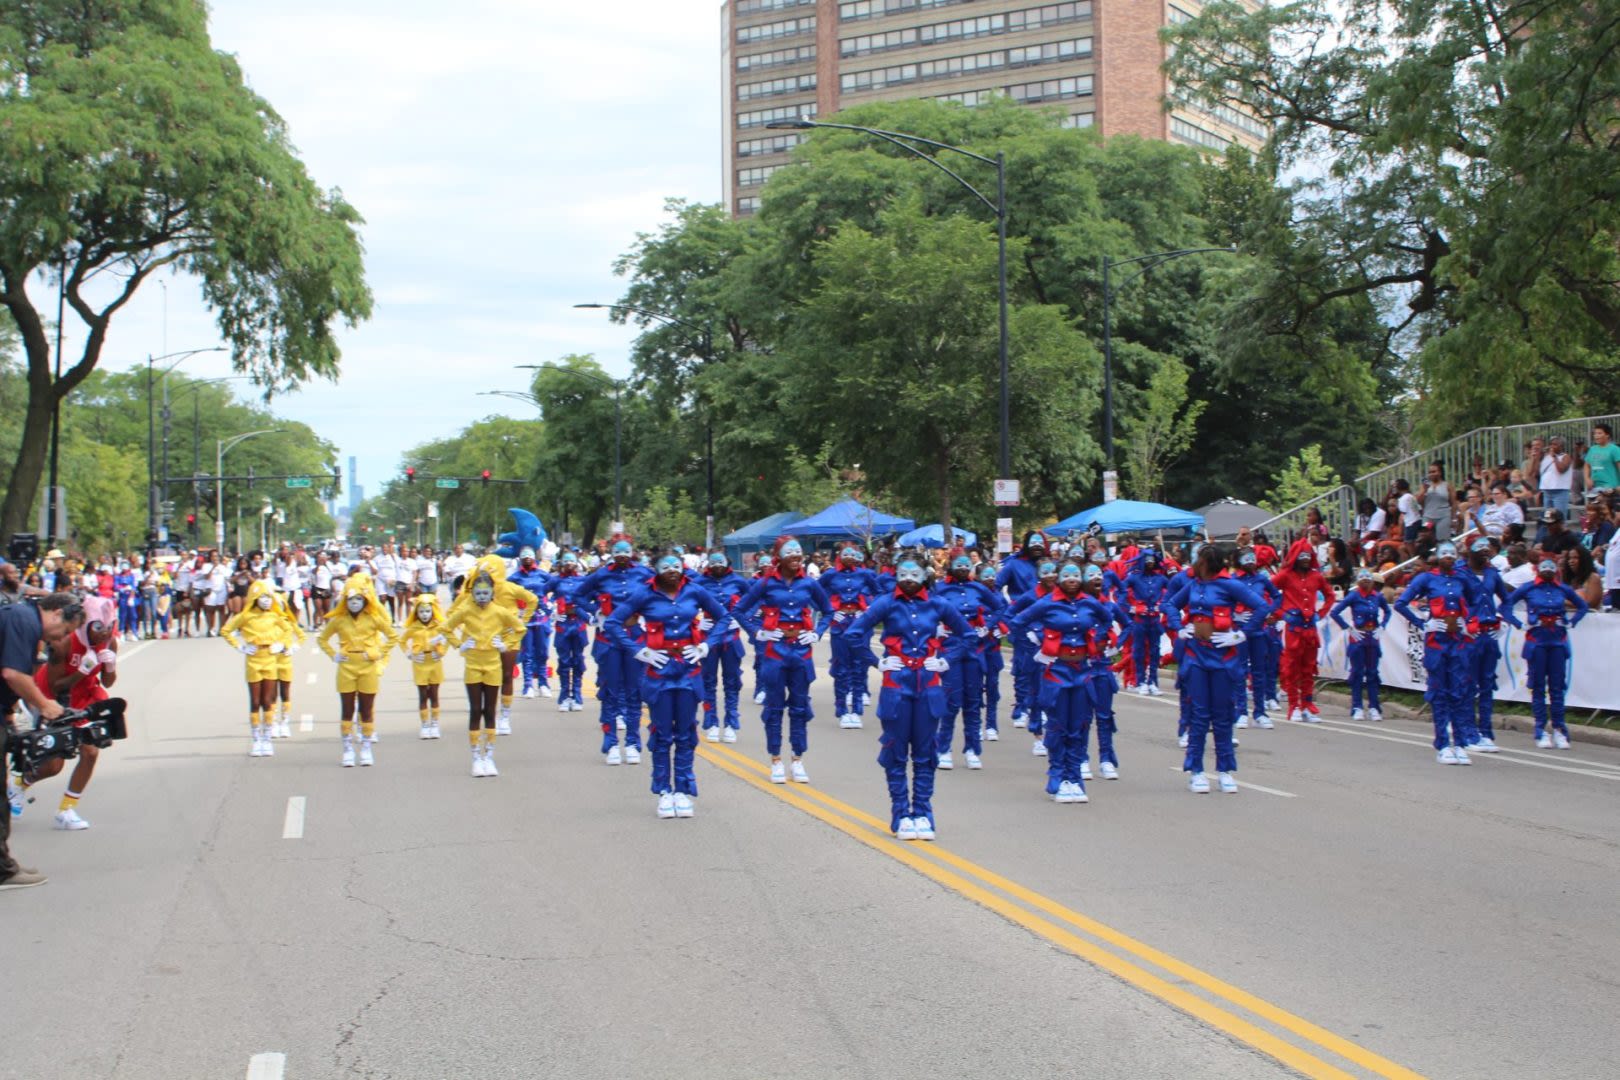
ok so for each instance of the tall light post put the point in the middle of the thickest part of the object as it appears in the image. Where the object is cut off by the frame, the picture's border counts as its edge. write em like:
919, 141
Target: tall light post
618, 428
152, 489
1110, 290
196, 435
997, 207
704, 343
220, 447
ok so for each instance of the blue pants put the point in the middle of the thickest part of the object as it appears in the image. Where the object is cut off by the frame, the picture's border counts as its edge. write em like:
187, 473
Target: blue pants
1184, 712
1274, 644
964, 692
722, 670
910, 731
1483, 657
1023, 669
849, 664
535, 655
570, 663
672, 732
616, 674
1100, 688
993, 665
1548, 664
1209, 689
1068, 728
129, 616
1261, 652
787, 685
1449, 693
1145, 632
1364, 657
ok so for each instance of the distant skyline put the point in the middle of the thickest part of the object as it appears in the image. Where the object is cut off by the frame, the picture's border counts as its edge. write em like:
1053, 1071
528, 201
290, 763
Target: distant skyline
503, 155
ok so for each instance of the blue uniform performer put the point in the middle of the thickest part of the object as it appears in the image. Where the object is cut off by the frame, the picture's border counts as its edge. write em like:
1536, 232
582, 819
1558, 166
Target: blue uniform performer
964, 681
535, 653
1445, 653
850, 589
912, 699
1369, 613
722, 668
604, 589
1485, 654
1017, 579
1145, 589
993, 660
1259, 649
1024, 655
1546, 647
1100, 681
1201, 610
670, 650
788, 604
571, 623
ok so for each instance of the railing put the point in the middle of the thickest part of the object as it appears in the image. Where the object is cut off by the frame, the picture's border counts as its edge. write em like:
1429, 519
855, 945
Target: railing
1456, 457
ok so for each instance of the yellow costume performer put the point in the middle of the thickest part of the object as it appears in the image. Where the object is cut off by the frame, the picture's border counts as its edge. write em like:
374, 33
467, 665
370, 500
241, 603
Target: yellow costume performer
260, 633
358, 636
425, 641
514, 598
281, 728
484, 631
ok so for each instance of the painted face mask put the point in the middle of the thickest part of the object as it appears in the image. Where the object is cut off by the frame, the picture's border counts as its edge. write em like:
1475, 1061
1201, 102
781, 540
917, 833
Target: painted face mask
718, 562
483, 595
1093, 578
669, 564
1035, 544
355, 604
425, 613
847, 557
791, 550
910, 576
961, 568
985, 573
1070, 578
1247, 560
621, 549
1098, 557
1546, 570
1446, 551
1047, 572
264, 603
1364, 580
569, 565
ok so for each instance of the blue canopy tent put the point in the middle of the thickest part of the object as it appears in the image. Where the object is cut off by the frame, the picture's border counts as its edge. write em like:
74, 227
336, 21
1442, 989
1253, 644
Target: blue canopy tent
759, 534
934, 536
849, 520
1126, 516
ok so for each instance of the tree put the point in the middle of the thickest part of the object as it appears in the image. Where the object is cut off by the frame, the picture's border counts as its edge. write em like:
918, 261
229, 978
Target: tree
1158, 429
1302, 478
132, 146
574, 457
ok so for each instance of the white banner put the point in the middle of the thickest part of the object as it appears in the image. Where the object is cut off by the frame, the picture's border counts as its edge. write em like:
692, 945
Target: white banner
1590, 684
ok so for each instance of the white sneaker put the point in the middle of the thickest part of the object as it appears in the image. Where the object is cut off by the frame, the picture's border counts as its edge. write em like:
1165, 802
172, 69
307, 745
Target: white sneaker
1358, 714
1199, 784
1459, 756
778, 772
1228, 783
632, 755
256, 748
427, 732
971, 760
1153, 690
15, 797
683, 804
666, 805
478, 762
365, 752
1445, 756
1038, 748
1085, 770
266, 747
1297, 715
1310, 717
849, 720
433, 730
992, 735
1108, 771
612, 757
924, 827
1560, 741
348, 754
1079, 793
545, 691
1544, 741
946, 761
71, 821
528, 692
1019, 720
711, 734
1486, 746
866, 699
759, 697
729, 735
799, 775
906, 830
272, 730
565, 704
503, 723
1065, 793
1142, 689
1181, 740
1242, 721
489, 763
1263, 722
1374, 715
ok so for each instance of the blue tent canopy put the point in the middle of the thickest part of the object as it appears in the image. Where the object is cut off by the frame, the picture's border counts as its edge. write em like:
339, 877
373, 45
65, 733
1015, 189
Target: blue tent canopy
849, 520
934, 536
759, 534
1126, 516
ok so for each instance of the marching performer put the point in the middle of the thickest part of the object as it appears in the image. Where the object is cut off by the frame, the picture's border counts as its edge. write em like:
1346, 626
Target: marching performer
260, 633
572, 624
964, 681
536, 652
994, 663
1099, 679
605, 588
722, 667
1546, 647
514, 598
1045, 585
425, 641
1257, 648
483, 630
1299, 583
1018, 577
1445, 653
850, 589
1485, 651
670, 649
1369, 613
912, 699
281, 727
358, 635
1145, 587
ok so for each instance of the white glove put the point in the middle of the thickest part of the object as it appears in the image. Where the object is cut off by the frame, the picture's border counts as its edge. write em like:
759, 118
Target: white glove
1359, 635
87, 663
694, 654
294, 647
1033, 637
1045, 658
808, 637
1186, 632
705, 623
942, 631
651, 657
768, 635
468, 646
1435, 626
1112, 651
436, 640
497, 643
340, 657
840, 616
936, 663
1226, 639
277, 648
891, 663
982, 631
596, 621
418, 658
107, 658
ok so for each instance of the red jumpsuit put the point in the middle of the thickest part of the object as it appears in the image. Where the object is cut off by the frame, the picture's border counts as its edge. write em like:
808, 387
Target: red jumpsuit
1299, 613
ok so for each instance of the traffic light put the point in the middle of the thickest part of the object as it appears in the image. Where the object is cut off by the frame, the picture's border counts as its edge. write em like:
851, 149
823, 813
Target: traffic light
337, 480
410, 474
191, 521
484, 476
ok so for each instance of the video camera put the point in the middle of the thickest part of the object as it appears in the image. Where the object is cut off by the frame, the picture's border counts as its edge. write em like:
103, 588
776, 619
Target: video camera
101, 725
23, 548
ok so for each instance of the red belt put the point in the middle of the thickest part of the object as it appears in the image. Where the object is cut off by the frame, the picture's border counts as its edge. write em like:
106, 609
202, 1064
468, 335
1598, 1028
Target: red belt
1073, 656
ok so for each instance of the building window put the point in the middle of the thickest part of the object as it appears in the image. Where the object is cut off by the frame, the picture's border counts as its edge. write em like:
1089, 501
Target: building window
748, 35
1051, 90
754, 7
1226, 115
954, 66
964, 29
796, 55
805, 110
792, 84
777, 144
872, 9
1186, 132
748, 204
755, 176
1178, 16
1079, 120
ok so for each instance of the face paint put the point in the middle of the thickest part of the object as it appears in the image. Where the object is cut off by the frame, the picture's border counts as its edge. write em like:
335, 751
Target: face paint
264, 603
424, 612
622, 550
1547, 570
790, 550
1100, 557
1070, 578
1047, 572
910, 576
355, 604
668, 562
483, 595
1248, 559
1445, 551
1092, 578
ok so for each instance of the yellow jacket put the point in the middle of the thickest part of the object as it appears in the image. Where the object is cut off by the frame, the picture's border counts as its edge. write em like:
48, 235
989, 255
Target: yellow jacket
255, 626
481, 625
507, 595
365, 639
427, 640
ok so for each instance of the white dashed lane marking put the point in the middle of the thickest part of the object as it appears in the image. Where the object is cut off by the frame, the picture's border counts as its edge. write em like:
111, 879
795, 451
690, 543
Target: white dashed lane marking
266, 1066
292, 827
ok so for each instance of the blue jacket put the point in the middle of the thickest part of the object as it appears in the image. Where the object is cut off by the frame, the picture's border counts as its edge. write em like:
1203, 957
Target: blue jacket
1545, 603
785, 604
976, 603
536, 581
1018, 576
728, 589
850, 592
564, 593
1073, 629
1485, 589
1367, 610
1145, 593
911, 632
1219, 602
1446, 594
668, 623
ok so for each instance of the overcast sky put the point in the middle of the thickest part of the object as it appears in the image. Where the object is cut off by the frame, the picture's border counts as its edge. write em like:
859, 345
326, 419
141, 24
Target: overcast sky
503, 152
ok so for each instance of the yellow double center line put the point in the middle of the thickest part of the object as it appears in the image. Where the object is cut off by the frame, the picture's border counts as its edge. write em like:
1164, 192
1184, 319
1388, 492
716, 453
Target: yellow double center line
975, 883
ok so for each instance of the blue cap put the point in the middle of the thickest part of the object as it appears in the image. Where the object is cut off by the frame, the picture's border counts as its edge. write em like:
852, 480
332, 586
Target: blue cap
718, 558
621, 547
1481, 543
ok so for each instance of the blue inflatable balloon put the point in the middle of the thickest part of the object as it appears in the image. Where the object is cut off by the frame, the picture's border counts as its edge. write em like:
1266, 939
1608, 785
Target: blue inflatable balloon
528, 534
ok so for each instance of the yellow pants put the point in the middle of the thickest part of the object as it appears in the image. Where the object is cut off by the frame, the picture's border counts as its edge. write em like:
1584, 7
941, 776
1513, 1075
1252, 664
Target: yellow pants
262, 665
284, 667
483, 669
428, 674
358, 678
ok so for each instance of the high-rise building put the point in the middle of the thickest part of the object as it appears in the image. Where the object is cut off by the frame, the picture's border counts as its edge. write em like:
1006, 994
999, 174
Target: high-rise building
355, 496
1099, 60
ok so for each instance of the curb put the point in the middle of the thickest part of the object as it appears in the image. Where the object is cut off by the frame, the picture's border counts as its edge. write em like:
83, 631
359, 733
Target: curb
1577, 732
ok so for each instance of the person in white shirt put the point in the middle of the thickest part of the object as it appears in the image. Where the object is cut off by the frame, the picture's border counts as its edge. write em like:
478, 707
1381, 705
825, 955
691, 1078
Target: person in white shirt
387, 574
457, 565
1411, 511
320, 587
1500, 512
219, 591
427, 572
292, 583
1557, 476
1520, 571
1611, 574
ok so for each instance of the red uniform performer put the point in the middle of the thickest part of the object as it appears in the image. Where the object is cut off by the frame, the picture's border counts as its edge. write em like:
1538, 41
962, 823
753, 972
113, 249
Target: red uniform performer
1300, 581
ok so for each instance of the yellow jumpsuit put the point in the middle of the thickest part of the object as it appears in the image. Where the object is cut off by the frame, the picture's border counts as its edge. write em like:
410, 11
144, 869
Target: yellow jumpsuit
430, 641
514, 598
261, 629
481, 626
364, 639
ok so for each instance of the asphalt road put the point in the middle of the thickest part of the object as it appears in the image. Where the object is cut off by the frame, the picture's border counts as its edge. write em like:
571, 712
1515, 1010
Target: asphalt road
1355, 910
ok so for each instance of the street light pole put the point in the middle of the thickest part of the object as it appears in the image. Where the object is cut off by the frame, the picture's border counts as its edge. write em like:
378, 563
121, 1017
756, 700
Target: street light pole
998, 206
156, 494
220, 446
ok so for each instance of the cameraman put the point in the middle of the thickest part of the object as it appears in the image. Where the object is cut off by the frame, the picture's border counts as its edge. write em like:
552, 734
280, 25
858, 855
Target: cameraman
22, 627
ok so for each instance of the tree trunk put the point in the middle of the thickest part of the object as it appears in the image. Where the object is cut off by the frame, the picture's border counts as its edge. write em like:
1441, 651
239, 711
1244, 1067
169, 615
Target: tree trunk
22, 489
942, 477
